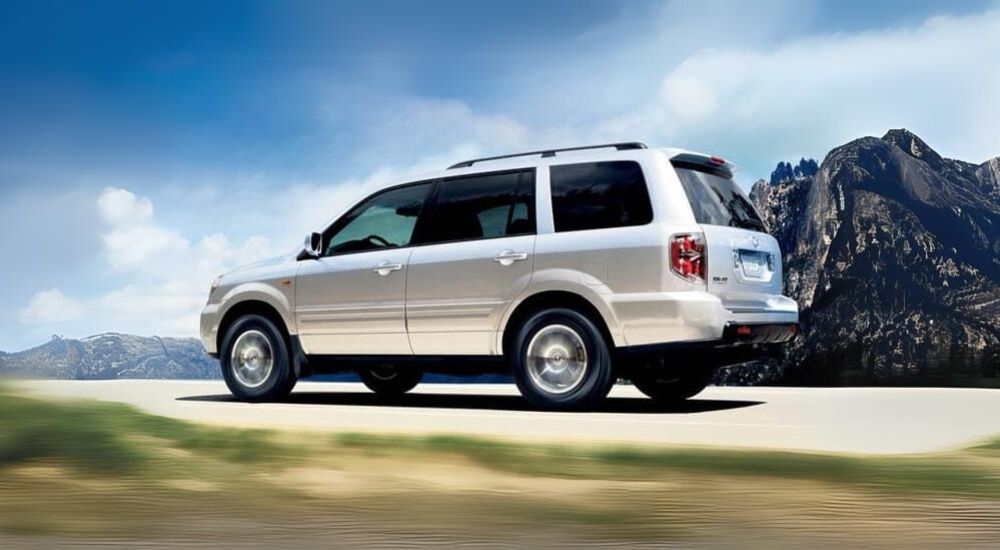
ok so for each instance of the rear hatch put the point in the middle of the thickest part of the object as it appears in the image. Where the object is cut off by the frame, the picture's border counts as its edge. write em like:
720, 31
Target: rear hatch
744, 262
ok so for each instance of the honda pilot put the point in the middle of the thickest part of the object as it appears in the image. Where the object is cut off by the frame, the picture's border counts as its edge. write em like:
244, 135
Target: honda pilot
566, 268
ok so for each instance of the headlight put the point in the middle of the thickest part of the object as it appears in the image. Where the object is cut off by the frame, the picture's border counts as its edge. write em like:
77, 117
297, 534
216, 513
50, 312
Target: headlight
215, 284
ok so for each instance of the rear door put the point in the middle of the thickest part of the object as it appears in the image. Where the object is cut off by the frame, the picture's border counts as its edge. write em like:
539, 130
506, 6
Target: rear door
744, 262
475, 254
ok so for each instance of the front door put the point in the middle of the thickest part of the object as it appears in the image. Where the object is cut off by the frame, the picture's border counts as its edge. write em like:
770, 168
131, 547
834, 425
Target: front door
476, 252
351, 300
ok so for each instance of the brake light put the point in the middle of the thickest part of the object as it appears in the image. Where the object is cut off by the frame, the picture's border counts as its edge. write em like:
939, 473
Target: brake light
718, 161
688, 257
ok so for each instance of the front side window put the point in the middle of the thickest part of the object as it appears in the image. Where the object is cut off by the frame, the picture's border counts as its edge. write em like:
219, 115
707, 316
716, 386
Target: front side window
482, 206
597, 195
385, 220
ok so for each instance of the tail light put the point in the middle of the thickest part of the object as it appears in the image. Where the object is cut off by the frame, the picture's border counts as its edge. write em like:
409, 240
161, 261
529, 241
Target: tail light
688, 257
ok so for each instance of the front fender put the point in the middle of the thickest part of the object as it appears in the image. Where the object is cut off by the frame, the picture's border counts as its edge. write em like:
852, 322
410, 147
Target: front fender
279, 299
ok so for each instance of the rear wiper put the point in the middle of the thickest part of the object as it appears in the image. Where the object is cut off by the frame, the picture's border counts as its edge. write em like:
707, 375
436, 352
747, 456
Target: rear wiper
749, 224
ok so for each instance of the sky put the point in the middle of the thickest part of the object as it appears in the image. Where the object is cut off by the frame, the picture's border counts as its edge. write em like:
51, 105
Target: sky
146, 147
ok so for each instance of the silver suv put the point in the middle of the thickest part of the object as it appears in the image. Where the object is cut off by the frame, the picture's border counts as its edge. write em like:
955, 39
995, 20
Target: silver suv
566, 268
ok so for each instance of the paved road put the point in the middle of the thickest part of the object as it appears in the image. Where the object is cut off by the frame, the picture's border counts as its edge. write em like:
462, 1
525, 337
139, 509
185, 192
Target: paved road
845, 420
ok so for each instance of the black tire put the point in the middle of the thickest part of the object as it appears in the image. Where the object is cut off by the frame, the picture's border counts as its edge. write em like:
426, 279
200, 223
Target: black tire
668, 385
280, 378
587, 389
389, 381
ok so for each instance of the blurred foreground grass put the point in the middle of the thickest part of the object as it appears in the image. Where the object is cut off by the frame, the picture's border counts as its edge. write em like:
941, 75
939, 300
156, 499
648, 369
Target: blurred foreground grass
99, 470
111, 438
971, 472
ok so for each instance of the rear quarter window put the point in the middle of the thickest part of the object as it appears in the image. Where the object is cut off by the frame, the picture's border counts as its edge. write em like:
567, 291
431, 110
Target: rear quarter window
598, 195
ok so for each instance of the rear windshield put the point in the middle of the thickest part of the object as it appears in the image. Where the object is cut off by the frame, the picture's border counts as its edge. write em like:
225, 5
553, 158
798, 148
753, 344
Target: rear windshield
718, 201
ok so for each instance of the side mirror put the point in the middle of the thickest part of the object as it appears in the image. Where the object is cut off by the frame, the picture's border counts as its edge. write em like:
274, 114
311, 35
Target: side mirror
311, 247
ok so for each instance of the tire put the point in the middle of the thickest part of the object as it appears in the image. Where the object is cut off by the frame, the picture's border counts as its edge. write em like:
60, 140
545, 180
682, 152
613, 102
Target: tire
389, 381
560, 361
255, 361
669, 386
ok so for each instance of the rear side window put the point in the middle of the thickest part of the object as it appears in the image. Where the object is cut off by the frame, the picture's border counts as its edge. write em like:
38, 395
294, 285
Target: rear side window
597, 195
717, 200
483, 206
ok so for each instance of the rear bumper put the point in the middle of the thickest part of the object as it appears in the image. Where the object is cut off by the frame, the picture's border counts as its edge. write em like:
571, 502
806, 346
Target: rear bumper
740, 343
700, 318
759, 333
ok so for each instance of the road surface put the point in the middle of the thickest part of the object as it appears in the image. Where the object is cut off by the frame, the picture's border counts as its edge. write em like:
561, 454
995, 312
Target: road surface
840, 420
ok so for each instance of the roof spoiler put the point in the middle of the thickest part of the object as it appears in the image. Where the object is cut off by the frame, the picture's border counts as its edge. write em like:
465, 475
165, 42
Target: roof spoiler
703, 163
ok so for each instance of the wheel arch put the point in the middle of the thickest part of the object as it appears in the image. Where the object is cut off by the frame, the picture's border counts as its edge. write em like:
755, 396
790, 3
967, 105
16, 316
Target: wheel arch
251, 306
568, 299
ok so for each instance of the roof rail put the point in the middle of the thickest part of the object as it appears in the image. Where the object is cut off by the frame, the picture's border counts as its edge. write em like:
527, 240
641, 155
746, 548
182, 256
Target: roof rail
624, 146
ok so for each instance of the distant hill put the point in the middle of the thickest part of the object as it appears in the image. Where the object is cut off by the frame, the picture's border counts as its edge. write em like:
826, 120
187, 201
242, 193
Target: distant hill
110, 356
893, 254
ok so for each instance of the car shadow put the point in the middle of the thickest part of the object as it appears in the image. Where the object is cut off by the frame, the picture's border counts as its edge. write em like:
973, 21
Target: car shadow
491, 402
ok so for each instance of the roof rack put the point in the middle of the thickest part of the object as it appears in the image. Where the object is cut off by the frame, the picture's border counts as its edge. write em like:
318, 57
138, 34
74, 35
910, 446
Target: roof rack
624, 146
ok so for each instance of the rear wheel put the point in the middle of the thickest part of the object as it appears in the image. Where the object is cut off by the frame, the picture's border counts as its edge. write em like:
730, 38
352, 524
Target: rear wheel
389, 380
667, 384
255, 360
560, 361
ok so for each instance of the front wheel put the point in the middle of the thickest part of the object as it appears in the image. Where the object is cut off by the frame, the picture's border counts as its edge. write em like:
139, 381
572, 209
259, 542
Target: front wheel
255, 360
560, 361
390, 381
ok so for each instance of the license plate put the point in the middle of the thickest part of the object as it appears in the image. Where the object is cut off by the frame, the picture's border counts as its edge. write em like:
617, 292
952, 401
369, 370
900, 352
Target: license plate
755, 264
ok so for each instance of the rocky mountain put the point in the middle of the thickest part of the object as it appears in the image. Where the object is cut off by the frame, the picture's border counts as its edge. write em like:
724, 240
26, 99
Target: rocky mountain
109, 356
786, 171
893, 254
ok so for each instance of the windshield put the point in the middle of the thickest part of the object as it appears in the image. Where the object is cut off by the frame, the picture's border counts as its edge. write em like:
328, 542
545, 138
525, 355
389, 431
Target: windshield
718, 201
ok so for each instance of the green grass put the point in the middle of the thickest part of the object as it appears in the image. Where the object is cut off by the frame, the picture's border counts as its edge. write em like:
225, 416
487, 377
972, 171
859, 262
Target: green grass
109, 437
88, 436
974, 472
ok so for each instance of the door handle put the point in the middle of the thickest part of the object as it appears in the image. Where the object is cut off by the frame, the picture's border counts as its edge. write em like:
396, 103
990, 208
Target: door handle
386, 268
508, 257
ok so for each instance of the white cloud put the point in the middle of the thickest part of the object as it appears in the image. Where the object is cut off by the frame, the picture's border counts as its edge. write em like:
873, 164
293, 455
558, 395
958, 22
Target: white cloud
51, 306
757, 91
169, 308
807, 95
132, 241
142, 247
618, 65
168, 275
414, 135
121, 208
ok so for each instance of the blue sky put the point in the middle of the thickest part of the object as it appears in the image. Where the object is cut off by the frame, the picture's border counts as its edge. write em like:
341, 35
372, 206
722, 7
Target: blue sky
146, 146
